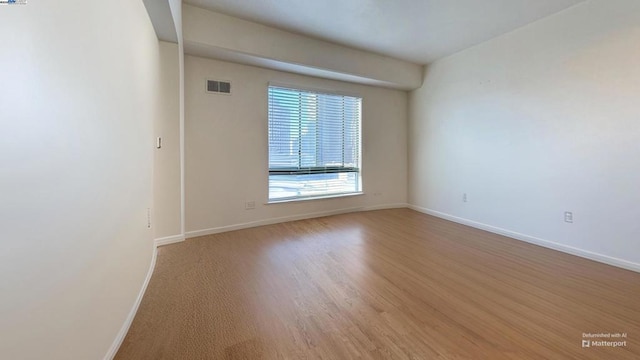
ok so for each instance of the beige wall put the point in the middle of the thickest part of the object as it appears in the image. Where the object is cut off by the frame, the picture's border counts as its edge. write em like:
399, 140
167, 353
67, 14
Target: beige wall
78, 84
166, 160
537, 122
226, 146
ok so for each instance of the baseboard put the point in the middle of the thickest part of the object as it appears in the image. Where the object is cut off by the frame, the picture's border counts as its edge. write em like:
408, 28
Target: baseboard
385, 206
127, 323
168, 240
621, 263
221, 229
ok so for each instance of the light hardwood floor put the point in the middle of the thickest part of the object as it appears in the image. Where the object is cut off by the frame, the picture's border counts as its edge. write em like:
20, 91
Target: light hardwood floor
389, 284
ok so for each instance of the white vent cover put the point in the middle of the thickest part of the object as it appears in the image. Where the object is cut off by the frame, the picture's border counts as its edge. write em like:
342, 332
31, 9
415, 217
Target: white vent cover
218, 87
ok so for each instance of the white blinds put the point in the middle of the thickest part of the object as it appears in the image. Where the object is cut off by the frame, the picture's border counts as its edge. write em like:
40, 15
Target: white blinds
313, 133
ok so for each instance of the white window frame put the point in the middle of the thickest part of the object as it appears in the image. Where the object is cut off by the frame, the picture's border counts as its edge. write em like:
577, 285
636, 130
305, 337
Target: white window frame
355, 171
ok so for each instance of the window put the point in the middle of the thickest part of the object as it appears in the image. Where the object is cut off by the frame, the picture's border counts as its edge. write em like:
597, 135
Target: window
314, 144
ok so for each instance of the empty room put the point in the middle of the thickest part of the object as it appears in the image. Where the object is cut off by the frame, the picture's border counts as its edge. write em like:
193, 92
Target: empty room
365, 179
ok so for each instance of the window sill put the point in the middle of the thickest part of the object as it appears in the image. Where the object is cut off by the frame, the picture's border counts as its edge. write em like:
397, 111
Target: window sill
321, 197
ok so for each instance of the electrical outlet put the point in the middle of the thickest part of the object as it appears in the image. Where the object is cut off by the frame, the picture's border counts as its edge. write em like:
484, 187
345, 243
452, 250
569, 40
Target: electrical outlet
250, 205
568, 216
464, 197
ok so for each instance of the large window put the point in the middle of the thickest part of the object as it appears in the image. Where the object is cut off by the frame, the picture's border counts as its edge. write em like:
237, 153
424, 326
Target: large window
314, 144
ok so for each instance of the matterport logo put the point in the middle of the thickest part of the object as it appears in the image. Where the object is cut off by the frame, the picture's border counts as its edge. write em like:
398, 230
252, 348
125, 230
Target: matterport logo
13, 2
613, 340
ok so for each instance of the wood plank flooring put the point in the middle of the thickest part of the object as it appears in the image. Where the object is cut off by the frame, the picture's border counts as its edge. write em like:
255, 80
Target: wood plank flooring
389, 284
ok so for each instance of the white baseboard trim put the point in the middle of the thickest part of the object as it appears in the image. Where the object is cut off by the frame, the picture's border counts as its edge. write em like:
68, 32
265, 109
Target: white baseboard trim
168, 240
127, 323
386, 206
217, 230
621, 263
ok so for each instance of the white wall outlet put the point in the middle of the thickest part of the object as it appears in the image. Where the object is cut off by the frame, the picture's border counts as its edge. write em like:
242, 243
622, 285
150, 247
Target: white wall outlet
568, 216
249, 205
464, 197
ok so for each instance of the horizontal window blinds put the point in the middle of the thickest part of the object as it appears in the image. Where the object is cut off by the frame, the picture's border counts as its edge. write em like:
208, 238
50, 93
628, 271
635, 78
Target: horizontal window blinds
312, 133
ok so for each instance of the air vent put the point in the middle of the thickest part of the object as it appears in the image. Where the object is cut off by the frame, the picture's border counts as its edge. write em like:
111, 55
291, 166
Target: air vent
218, 87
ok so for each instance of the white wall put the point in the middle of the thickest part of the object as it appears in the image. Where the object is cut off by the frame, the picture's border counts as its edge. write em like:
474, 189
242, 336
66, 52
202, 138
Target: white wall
166, 170
176, 12
226, 146
78, 82
537, 122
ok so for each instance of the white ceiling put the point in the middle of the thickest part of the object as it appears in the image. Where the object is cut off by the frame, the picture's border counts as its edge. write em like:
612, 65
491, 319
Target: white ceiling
419, 31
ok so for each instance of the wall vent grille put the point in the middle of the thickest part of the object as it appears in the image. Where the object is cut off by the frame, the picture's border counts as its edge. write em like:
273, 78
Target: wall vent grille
218, 87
